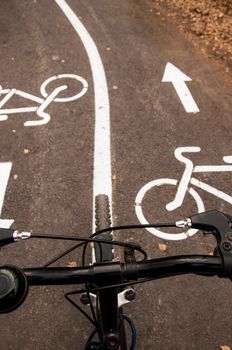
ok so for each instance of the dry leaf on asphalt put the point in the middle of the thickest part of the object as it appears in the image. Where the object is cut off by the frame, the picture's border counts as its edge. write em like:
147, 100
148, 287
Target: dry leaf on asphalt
225, 347
72, 264
162, 247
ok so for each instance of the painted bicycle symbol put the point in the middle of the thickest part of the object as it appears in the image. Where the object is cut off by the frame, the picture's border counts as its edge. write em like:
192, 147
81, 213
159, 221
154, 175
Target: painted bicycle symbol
184, 186
44, 102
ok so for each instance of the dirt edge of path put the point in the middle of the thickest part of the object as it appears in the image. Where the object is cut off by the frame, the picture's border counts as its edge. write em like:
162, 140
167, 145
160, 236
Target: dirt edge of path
208, 25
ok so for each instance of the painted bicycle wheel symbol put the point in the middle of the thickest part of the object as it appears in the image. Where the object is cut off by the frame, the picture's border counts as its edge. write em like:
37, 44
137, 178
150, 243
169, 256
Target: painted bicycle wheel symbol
184, 185
43, 103
65, 76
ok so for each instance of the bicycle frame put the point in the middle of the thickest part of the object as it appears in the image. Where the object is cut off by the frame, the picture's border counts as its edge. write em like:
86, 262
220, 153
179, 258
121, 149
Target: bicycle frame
187, 178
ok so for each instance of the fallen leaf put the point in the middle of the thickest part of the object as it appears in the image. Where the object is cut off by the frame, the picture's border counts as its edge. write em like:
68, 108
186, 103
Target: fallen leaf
225, 347
62, 61
72, 264
115, 87
26, 151
162, 247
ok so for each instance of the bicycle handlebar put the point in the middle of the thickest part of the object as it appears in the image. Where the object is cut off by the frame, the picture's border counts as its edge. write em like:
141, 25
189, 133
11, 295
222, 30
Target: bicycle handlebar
108, 274
14, 282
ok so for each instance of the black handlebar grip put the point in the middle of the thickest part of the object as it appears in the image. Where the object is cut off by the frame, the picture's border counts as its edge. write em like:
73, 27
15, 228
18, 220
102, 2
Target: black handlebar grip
6, 236
13, 288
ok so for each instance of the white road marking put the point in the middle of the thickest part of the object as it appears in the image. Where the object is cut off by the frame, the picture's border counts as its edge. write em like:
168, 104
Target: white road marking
18, 110
65, 76
158, 232
5, 169
40, 111
177, 78
29, 96
212, 168
7, 97
182, 187
212, 190
44, 103
227, 159
102, 153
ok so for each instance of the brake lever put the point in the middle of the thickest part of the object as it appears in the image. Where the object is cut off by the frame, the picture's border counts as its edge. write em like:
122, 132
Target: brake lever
220, 225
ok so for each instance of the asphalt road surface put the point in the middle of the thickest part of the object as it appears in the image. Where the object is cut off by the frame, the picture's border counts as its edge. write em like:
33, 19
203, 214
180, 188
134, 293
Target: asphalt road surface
118, 133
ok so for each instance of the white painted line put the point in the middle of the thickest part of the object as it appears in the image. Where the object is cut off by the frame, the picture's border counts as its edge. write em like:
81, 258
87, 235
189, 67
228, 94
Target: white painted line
5, 169
65, 76
40, 111
227, 159
29, 96
44, 103
212, 190
10, 92
212, 168
18, 110
3, 117
7, 97
178, 78
4, 223
158, 232
3, 91
102, 155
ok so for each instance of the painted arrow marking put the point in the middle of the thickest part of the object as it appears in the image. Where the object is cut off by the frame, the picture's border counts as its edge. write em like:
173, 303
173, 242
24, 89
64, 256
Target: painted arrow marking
5, 169
178, 79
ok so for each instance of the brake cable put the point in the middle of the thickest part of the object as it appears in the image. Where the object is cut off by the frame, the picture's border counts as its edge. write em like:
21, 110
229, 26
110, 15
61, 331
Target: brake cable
109, 229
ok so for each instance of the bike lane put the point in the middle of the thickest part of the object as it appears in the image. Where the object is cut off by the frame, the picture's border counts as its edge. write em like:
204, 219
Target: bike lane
49, 184
148, 123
